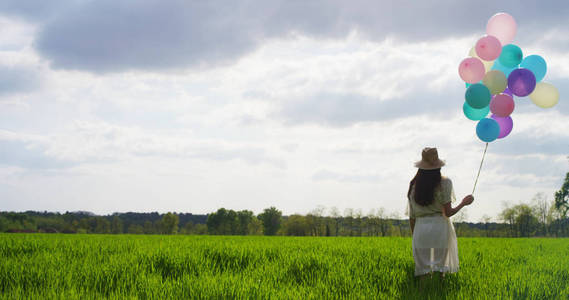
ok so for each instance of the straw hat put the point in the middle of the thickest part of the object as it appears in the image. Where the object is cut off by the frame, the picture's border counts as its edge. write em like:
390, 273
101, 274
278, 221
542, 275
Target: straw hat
430, 160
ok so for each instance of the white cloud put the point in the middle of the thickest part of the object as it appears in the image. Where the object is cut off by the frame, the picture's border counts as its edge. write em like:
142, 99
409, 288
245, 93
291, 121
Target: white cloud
309, 116
14, 80
373, 177
116, 36
15, 35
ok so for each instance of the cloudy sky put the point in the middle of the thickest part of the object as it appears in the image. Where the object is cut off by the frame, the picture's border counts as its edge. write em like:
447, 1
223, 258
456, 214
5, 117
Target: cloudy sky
189, 106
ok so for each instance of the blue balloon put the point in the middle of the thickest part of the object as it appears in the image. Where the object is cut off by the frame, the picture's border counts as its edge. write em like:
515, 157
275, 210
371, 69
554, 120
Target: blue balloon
473, 113
506, 70
511, 56
536, 64
487, 130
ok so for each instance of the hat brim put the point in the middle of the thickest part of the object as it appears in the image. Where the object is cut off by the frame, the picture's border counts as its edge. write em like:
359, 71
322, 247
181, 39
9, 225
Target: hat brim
427, 166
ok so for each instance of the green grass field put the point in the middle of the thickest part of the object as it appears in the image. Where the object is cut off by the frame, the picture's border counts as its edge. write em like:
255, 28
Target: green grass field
130, 266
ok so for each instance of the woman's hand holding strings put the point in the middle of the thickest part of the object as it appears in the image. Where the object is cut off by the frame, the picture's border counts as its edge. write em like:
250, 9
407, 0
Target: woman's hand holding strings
468, 200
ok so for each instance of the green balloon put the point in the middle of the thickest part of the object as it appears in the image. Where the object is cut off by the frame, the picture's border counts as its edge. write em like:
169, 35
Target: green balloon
495, 81
511, 56
477, 96
475, 114
469, 84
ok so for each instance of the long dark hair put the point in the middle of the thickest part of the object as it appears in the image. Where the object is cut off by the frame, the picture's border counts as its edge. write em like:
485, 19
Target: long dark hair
425, 182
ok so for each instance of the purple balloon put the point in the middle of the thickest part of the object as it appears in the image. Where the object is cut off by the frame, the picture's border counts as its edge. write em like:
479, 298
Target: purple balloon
521, 82
507, 91
506, 125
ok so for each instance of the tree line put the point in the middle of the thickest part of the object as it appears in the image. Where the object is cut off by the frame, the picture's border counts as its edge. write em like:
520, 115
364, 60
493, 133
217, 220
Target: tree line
540, 217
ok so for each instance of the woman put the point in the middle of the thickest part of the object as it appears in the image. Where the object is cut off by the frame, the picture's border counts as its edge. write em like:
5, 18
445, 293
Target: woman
430, 196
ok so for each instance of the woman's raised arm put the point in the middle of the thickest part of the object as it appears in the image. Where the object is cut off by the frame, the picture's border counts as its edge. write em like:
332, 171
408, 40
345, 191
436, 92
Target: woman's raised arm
450, 211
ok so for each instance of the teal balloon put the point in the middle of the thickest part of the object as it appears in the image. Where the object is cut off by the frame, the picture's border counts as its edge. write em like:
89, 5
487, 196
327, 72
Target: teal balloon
477, 96
487, 130
536, 64
511, 56
469, 84
506, 70
473, 113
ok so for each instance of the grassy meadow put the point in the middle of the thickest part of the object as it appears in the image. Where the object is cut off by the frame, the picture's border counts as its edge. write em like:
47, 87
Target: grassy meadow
159, 267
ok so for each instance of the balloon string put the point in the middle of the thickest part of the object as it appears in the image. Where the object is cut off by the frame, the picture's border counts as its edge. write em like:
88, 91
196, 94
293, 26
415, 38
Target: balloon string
480, 168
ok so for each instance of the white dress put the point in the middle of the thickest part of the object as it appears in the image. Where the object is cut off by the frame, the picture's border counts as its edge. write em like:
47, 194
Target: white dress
434, 239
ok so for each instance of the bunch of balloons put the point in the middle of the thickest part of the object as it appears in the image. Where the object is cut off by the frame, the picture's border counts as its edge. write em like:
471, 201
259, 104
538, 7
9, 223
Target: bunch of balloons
495, 72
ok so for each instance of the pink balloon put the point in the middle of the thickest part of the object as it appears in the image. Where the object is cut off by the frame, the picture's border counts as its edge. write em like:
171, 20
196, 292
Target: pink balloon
488, 48
503, 27
502, 105
506, 124
471, 70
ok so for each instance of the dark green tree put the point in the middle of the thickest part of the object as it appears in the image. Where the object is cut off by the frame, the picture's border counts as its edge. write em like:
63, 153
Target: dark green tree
116, 225
526, 221
228, 222
102, 225
187, 229
4, 223
19, 221
562, 206
216, 222
255, 227
231, 224
148, 227
135, 229
335, 214
170, 223
296, 225
508, 215
271, 219
244, 218
562, 197
199, 229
